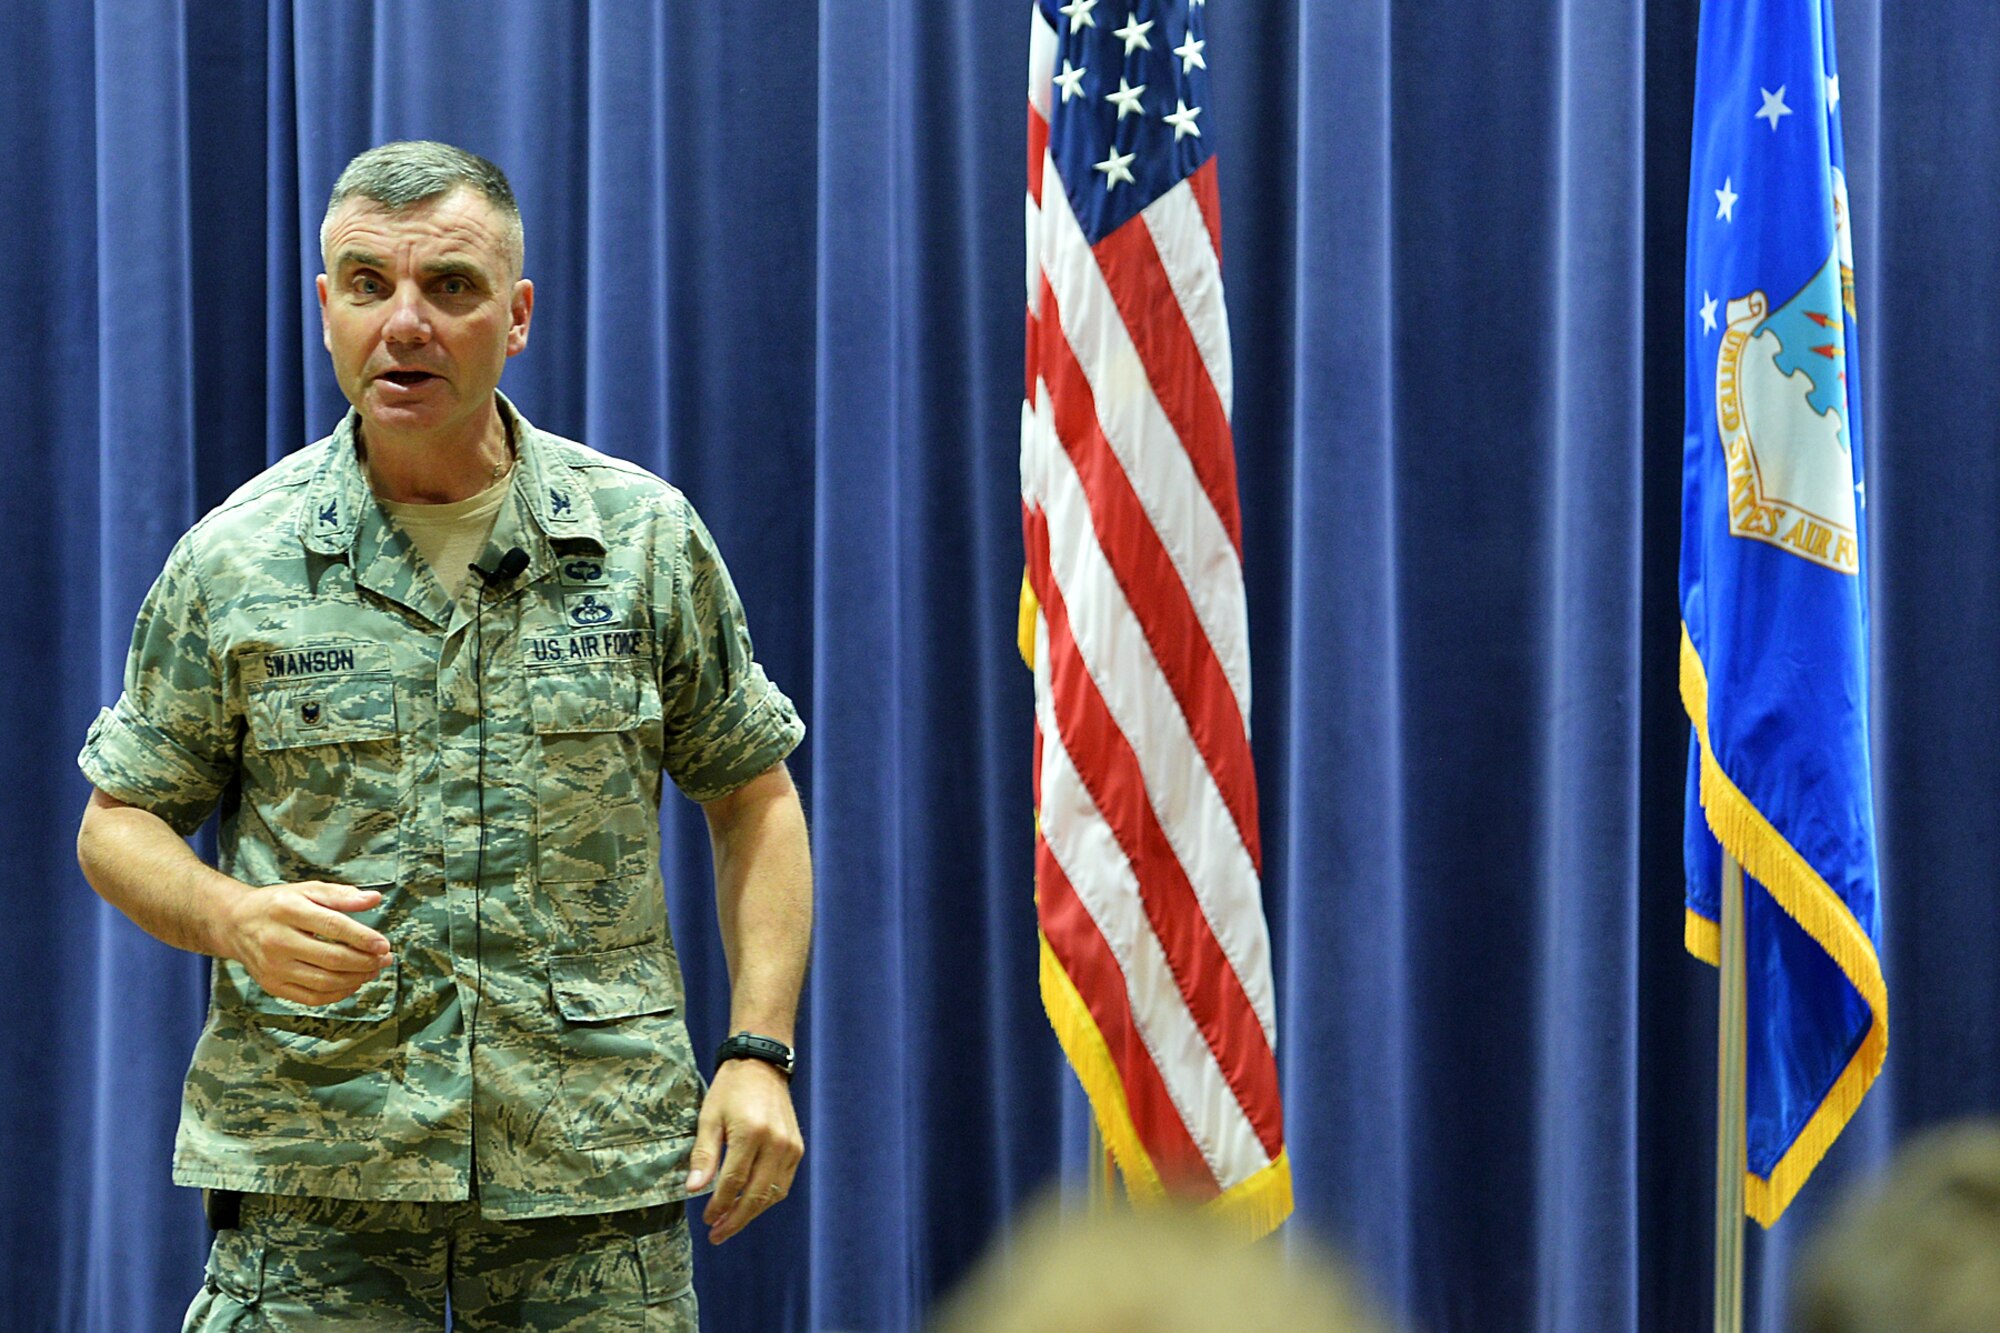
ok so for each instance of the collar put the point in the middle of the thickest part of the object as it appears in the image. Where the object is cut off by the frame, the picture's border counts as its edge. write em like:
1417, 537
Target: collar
548, 512
339, 506
559, 502
338, 495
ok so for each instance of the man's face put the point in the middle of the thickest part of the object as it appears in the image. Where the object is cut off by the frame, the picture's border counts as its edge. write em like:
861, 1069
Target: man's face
420, 309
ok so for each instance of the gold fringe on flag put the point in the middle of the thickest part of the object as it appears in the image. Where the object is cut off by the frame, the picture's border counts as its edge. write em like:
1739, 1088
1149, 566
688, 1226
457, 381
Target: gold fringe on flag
1024, 628
1805, 895
1257, 1204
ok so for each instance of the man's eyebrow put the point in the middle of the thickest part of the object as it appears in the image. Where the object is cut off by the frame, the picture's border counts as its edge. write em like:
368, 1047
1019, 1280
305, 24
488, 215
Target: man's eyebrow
454, 268
357, 259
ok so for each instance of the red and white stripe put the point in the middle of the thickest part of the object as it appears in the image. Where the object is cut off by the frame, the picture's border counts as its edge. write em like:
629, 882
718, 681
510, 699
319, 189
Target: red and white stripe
1148, 858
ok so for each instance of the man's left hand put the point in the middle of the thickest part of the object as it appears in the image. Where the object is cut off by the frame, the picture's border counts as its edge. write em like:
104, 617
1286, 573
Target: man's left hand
747, 1120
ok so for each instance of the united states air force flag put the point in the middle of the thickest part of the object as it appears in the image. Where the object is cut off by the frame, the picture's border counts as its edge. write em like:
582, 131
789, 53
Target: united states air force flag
1774, 614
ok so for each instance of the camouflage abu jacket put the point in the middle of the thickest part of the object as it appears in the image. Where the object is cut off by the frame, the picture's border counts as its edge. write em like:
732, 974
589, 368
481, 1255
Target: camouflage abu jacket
299, 664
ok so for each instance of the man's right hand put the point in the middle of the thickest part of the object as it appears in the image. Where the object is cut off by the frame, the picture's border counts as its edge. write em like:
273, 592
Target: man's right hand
297, 940
299, 943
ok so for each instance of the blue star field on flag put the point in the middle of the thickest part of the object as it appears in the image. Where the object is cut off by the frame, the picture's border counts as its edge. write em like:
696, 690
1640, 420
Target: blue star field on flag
1131, 84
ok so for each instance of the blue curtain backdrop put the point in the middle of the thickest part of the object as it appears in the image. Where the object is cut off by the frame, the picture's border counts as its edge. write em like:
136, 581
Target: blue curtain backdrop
778, 252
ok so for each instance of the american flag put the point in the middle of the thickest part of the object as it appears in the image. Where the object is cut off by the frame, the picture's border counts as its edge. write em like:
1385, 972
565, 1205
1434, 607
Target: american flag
1156, 967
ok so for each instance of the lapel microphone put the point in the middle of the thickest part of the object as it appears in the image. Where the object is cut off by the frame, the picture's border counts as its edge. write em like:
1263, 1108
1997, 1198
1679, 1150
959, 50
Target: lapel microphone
511, 564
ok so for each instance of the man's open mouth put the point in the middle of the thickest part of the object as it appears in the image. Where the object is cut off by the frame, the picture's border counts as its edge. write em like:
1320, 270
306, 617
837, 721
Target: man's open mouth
409, 379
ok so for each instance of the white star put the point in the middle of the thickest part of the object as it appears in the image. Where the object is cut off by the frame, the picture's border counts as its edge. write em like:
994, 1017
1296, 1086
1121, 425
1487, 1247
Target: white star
1707, 313
1116, 167
1126, 98
1832, 91
1725, 202
1774, 106
1134, 33
1190, 53
1861, 493
1078, 14
1068, 81
1183, 120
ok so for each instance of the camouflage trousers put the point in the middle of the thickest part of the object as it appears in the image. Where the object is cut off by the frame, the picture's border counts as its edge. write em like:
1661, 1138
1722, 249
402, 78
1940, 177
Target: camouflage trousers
298, 1264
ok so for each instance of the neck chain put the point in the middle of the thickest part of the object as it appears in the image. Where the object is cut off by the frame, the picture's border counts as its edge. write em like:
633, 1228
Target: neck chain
500, 469
506, 465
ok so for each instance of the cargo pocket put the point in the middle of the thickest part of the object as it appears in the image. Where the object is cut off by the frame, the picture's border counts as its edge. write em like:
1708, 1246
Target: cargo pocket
627, 1068
666, 1266
599, 733
231, 1286
309, 1071
323, 770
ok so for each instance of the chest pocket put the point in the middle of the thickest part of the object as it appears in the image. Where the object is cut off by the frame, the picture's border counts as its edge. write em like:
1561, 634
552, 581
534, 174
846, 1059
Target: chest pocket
323, 770
599, 733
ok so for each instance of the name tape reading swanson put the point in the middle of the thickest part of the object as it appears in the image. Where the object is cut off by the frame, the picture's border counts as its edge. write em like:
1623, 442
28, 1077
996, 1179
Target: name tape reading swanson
308, 662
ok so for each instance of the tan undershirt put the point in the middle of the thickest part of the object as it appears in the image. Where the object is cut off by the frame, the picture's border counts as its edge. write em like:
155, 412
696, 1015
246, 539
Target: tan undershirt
450, 536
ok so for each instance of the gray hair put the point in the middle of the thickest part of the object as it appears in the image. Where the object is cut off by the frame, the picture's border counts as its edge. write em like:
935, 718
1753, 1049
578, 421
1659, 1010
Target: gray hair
408, 172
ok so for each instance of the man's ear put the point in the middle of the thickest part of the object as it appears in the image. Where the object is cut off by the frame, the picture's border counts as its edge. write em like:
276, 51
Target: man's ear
520, 312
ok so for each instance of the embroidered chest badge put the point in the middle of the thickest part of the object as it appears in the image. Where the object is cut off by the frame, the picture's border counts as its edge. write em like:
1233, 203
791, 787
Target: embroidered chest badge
588, 610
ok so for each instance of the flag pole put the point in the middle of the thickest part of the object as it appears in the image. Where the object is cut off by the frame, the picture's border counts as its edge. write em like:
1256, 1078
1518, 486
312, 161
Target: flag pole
1730, 1134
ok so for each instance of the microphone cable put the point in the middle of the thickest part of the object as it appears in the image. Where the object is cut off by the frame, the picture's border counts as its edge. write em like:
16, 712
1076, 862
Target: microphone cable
511, 564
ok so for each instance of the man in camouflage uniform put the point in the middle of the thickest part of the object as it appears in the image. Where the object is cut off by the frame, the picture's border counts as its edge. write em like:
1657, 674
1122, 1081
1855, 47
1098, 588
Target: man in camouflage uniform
445, 1050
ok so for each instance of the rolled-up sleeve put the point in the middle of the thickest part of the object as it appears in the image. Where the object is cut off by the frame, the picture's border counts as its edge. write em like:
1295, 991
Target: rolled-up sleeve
726, 722
168, 744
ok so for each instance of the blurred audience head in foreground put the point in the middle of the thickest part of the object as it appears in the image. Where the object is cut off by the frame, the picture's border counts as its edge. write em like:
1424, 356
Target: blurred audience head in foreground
1153, 1270
1916, 1250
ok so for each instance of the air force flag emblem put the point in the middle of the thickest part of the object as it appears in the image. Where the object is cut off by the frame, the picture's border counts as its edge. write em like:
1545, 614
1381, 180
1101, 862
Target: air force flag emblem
1781, 409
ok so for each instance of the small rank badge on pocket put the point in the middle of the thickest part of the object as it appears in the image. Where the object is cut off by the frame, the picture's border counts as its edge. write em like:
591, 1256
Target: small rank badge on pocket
309, 712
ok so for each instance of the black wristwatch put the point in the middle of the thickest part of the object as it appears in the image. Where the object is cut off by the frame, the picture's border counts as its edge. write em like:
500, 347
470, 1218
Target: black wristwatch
750, 1046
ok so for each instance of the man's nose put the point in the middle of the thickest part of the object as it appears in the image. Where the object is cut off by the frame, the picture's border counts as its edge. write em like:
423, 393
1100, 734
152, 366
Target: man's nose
408, 320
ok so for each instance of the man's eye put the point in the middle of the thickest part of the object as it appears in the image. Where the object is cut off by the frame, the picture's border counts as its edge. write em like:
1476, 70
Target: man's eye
367, 286
454, 286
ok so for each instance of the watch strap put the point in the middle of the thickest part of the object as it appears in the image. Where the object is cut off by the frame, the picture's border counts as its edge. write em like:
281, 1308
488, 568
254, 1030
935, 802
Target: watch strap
750, 1046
